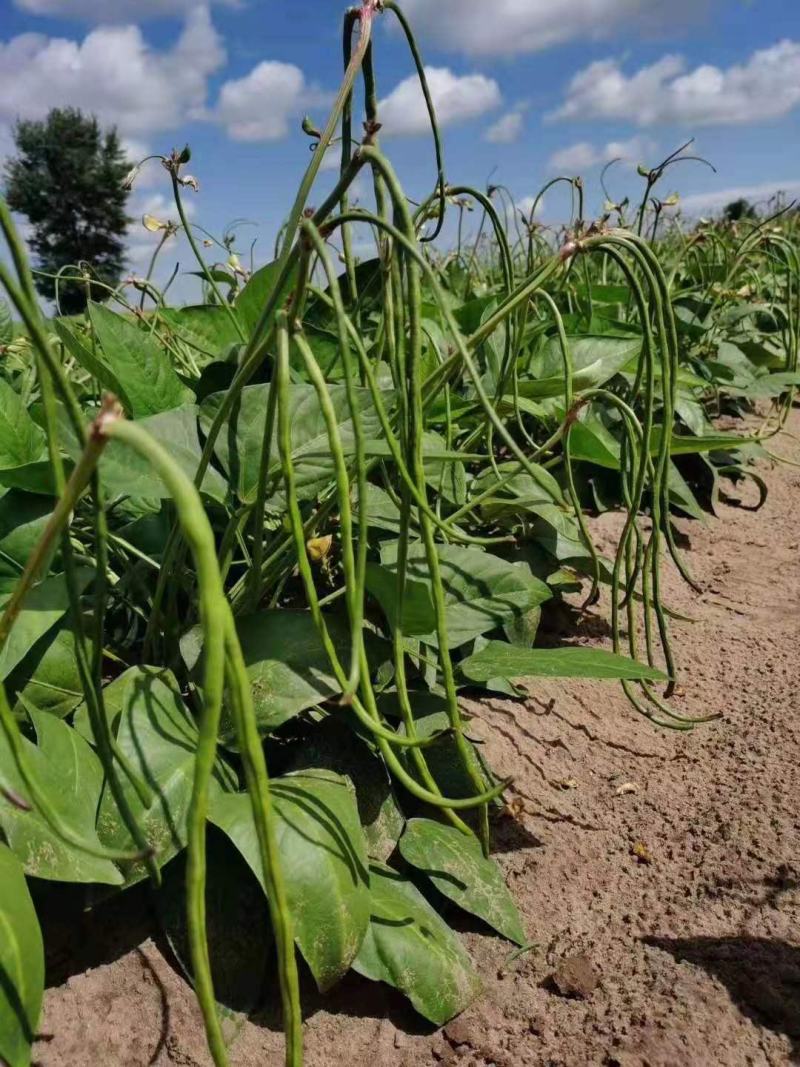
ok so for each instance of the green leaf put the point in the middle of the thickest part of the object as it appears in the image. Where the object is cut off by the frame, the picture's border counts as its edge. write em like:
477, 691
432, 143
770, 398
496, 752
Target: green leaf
47, 678
481, 591
594, 361
124, 473
239, 936
42, 608
323, 858
442, 755
713, 442
206, 328
138, 362
156, 733
21, 964
287, 665
91, 361
592, 441
6, 323
252, 300
499, 660
448, 477
520, 483
418, 616
239, 448
456, 865
334, 747
23, 517
382, 512
410, 947
681, 496
21, 440
769, 386
71, 777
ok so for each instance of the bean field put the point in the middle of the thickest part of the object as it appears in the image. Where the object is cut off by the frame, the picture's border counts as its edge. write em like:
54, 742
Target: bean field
270, 564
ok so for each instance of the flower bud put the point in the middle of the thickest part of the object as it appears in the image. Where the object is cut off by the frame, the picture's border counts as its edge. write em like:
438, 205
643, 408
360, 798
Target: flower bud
309, 128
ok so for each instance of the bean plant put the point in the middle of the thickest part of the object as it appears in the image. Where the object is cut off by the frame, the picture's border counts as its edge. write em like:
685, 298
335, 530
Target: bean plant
253, 550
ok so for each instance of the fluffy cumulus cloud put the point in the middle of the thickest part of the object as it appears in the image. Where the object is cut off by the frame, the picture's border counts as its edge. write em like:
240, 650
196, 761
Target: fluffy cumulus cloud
512, 27
508, 128
579, 157
114, 11
112, 73
260, 106
455, 97
766, 86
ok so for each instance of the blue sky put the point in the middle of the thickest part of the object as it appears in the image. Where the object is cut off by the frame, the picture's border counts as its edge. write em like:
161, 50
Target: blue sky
532, 88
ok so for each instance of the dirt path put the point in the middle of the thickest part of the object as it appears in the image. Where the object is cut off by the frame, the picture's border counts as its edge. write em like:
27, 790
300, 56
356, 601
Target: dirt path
695, 940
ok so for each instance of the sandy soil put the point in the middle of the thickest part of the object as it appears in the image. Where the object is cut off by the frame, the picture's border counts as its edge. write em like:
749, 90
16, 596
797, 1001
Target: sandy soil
668, 861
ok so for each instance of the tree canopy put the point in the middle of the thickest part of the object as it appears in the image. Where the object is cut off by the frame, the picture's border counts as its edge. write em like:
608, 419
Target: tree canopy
67, 178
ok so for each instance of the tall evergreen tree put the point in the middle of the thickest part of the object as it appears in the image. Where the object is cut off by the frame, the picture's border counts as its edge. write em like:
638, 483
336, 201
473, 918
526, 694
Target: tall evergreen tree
68, 179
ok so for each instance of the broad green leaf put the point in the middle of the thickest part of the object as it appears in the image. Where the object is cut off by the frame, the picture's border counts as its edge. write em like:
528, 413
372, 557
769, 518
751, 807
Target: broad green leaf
6, 323
124, 473
605, 294
681, 496
592, 441
594, 361
769, 386
23, 517
92, 361
454, 778
742, 370
42, 608
47, 678
418, 616
239, 935
158, 736
481, 591
458, 868
21, 964
518, 482
239, 446
410, 947
71, 777
714, 442
322, 854
139, 363
21, 440
448, 477
509, 661
382, 512
334, 747
206, 328
252, 300
693, 415
287, 665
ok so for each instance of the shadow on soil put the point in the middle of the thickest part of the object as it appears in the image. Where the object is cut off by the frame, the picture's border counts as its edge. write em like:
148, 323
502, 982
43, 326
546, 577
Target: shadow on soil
762, 976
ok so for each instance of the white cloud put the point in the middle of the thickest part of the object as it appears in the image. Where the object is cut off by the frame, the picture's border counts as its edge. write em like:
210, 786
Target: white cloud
511, 27
260, 106
716, 199
112, 73
113, 11
579, 157
525, 206
455, 97
508, 127
766, 86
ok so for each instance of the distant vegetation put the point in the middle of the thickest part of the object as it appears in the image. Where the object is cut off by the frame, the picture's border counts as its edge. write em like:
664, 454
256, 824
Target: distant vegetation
67, 179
